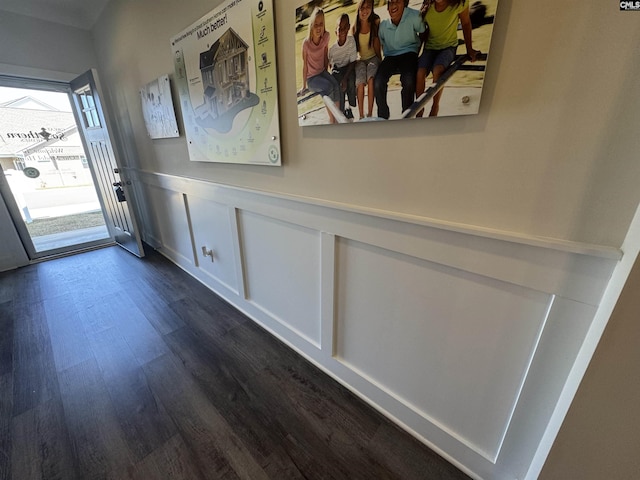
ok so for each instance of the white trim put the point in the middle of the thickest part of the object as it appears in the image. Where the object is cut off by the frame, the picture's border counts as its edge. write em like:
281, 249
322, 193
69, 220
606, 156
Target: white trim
534, 351
237, 253
194, 248
631, 248
35, 74
327, 293
577, 276
581, 248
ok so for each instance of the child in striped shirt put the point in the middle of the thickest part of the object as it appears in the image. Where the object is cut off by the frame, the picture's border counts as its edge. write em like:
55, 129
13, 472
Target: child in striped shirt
342, 58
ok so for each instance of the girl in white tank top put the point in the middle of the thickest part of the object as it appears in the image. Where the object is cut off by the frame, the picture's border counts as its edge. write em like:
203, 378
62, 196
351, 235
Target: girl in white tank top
365, 33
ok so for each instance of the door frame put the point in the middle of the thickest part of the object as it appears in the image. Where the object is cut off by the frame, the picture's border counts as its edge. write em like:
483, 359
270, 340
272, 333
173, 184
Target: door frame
7, 195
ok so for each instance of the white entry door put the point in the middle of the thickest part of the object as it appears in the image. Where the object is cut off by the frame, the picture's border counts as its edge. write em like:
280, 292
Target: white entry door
114, 189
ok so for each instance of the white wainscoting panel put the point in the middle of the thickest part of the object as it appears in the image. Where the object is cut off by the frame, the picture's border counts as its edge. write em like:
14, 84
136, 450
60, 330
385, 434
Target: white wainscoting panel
282, 272
566, 329
175, 236
463, 336
453, 345
212, 225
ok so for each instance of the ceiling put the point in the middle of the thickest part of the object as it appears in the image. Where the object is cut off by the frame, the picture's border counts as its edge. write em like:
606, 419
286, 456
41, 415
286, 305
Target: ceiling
76, 13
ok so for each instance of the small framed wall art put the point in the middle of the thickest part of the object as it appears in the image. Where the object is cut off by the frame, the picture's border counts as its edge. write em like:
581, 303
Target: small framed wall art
157, 109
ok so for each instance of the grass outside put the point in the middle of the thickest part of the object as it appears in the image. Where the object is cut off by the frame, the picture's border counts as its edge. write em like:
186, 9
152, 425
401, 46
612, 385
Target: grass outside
51, 225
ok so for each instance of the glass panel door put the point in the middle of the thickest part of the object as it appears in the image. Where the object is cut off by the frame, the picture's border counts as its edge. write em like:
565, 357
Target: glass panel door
47, 171
114, 188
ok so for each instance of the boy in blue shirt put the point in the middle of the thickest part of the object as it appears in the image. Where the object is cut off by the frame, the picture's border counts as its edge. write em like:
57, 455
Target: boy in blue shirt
400, 44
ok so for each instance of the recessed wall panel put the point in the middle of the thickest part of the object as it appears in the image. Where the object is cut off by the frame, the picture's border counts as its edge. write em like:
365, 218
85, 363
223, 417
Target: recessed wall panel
282, 270
175, 236
210, 222
452, 345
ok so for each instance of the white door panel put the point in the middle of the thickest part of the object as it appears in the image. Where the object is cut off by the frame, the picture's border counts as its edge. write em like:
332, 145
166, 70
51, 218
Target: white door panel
113, 190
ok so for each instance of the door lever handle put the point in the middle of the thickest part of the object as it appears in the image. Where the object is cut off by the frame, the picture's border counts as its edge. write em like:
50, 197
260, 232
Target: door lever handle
117, 188
207, 253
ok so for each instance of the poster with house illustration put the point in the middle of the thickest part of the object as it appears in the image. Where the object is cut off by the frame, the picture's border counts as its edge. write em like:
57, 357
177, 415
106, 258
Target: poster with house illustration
225, 73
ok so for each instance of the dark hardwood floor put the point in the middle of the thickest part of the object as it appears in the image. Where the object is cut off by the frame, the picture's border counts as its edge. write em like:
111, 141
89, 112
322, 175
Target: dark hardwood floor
118, 368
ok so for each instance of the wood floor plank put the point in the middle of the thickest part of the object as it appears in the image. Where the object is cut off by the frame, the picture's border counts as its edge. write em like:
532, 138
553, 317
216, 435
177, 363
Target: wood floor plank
41, 448
326, 418
153, 306
171, 461
61, 278
94, 430
229, 390
208, 318
312, 428
263, 409
93, 285
33, 365
300, 380
27, 285
145, 342
124, 264
95, 314
398, 452
6, 337
6, 413
171, 282
69, 343
218, 450
308, 461
171, 285
144, 421
119, 311
86, 276
7, 286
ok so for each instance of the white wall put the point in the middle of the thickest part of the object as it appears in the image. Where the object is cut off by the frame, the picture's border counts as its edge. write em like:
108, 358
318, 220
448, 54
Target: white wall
41, 49
552, 153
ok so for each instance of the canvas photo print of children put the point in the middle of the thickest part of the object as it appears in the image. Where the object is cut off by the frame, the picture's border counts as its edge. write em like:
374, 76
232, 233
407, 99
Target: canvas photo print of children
375, 60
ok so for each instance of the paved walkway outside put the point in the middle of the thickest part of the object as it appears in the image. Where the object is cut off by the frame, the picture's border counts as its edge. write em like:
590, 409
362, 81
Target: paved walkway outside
66, 239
